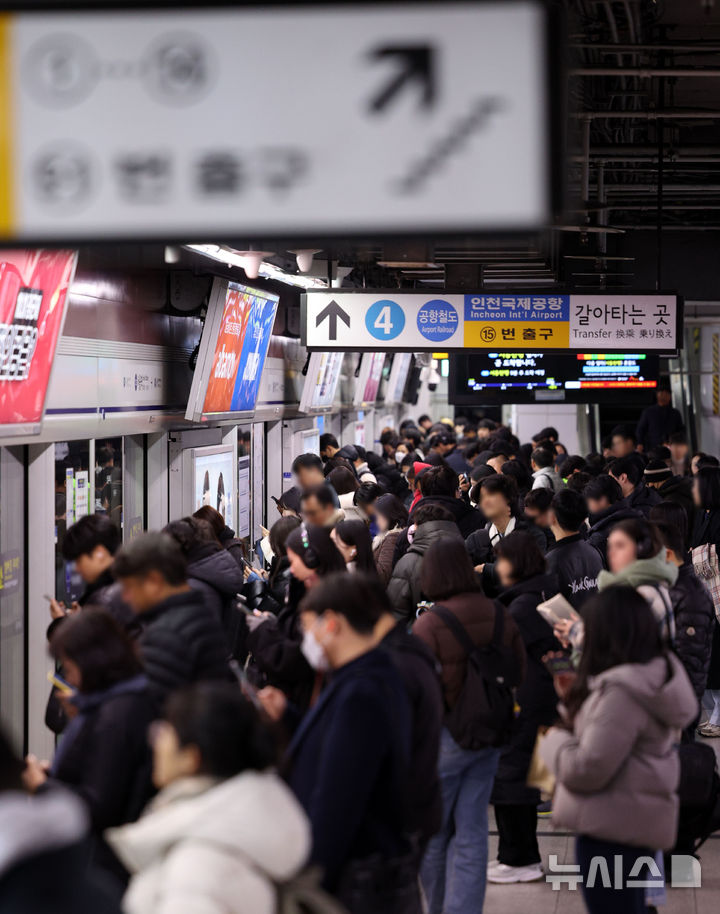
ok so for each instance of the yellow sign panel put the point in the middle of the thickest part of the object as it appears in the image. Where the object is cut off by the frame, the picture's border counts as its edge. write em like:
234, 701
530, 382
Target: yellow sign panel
490, 334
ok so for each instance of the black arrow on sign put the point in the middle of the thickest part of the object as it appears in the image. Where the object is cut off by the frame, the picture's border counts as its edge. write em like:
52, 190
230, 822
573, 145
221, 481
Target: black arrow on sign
418, 66
332, 312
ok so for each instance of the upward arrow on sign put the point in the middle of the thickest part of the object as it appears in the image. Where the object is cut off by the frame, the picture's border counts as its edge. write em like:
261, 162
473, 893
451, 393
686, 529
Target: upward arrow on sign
417, 65
331, 312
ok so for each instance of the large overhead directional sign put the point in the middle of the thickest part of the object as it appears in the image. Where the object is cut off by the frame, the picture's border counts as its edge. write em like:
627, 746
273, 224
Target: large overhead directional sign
198, 124
552, 320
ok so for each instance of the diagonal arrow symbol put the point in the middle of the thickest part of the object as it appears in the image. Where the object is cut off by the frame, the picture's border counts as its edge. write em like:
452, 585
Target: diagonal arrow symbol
417, 65
331, 312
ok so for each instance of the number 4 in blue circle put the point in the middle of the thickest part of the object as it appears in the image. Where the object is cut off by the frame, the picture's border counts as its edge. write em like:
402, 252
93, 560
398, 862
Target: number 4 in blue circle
385, 319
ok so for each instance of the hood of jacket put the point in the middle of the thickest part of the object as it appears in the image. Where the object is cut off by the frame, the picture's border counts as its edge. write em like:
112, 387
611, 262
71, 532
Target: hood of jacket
677, 485
220, 570
253, 815
642, 571
34, 825
661, 687
457, 506
432, 532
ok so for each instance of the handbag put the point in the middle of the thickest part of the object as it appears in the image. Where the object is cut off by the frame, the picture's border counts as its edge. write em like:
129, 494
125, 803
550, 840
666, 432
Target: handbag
539, 775
707, 568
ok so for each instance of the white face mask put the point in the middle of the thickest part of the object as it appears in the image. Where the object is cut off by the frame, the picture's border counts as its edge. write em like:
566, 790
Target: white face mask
400, 456
314, 652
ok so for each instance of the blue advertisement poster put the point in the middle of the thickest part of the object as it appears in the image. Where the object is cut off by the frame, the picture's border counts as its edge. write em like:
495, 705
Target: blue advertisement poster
252, 357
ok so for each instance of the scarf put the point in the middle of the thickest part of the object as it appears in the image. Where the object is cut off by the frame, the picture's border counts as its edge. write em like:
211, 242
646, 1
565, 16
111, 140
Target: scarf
642, 571
495, 535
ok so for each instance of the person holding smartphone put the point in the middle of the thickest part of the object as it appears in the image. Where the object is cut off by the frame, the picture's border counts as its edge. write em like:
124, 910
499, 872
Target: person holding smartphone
613, 755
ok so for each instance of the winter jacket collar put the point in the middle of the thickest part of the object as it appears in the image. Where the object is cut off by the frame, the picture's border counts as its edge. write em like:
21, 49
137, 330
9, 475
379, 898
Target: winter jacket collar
184, 598
642, 571
104, 580
495, 535
567, 541
543, 584
220, 570
612, 515
432, 531
29, 826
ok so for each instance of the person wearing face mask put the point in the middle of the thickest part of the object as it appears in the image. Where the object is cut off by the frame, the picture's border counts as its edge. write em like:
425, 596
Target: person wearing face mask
349, 761
276, 641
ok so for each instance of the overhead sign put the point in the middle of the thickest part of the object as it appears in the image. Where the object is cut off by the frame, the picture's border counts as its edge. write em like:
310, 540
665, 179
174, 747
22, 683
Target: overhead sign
482, 320
191, 124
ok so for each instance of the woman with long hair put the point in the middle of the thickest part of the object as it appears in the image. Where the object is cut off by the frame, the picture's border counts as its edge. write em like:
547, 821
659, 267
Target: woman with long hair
614, 755
521, 571
353, 541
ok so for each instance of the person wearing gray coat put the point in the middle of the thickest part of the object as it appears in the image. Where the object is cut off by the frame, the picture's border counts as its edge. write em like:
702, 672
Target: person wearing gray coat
432, 523
615, 757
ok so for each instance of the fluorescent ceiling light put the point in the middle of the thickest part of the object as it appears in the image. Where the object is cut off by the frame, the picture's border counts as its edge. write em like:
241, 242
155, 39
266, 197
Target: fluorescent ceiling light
267, 270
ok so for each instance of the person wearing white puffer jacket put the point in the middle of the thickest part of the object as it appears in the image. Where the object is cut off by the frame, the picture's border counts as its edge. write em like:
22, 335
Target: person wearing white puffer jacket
224, 828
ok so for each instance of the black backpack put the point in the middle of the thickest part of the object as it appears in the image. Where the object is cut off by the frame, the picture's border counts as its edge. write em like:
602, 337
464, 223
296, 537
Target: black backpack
484, 713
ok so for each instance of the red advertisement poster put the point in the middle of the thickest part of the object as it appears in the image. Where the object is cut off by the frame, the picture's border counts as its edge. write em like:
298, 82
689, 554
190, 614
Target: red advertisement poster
227, 352
33, 293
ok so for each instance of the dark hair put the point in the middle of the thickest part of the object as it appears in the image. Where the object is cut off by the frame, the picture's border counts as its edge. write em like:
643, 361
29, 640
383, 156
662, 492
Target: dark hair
624, 431
481, 471
389, 437
549, 433
104, 455
393, 510
95, 642
659, 453
320, 553
644, 534
570, 510
539, 499
677, 438
442, 480
424, 418
211, 516
446, 570
90, 531
542, 457
620, 628
672, 537
152, 552
672, 514
323, 494
337, 462
522, 551
360, 598
518, 472
424, 513
307, 462
190, 533
367, 493
707, 460
227, 730
328, 439
708, 482
279, 533
413, 435
628, 465
574, 462
355, 533
343, 481
501, 485
603, 486
577, 481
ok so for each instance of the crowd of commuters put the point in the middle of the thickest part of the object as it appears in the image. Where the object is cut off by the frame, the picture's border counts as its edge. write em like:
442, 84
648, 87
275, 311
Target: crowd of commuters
359, 702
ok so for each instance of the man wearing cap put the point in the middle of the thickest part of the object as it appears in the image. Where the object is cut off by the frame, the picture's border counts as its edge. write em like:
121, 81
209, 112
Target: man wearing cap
660, 421
659, 476
356, 455
445, 444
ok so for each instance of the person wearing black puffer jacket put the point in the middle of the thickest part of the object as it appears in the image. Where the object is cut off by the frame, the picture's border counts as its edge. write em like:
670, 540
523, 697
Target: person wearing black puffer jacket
691, 602
521, 571
607, 508
182, 640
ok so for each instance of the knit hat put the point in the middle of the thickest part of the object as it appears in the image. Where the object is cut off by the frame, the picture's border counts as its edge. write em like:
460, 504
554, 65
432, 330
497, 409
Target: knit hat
657, 471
